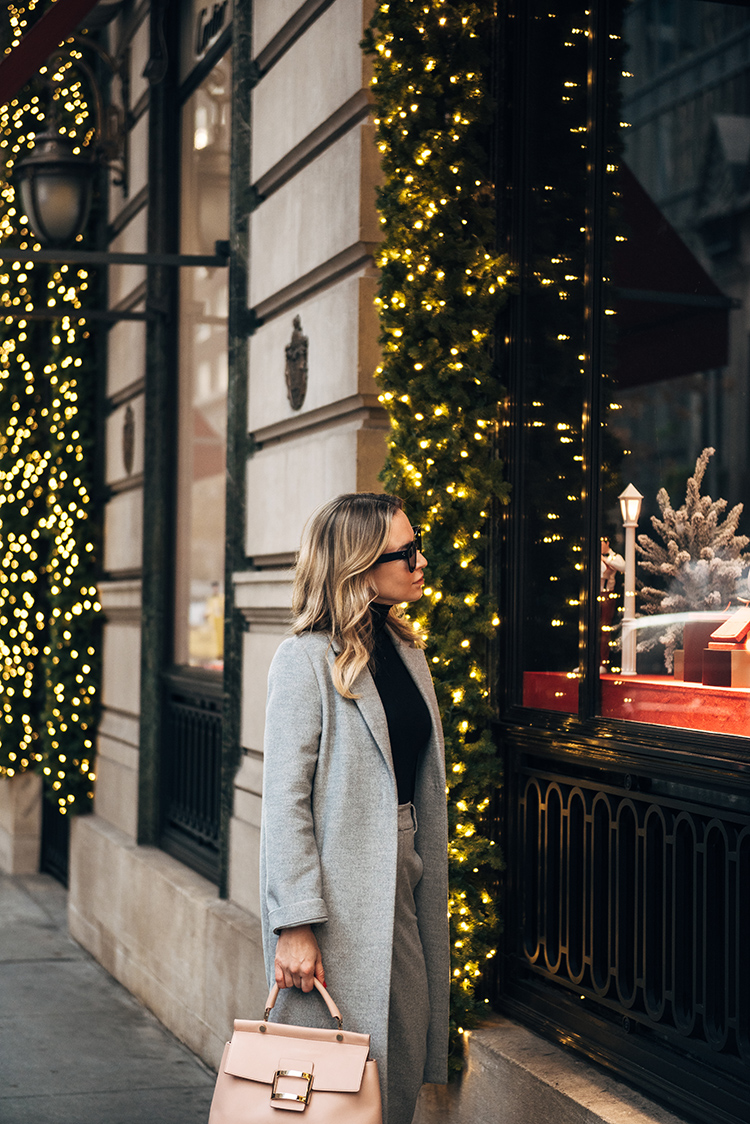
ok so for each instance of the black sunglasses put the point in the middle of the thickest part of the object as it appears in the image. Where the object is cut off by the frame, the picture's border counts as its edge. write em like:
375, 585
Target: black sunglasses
409, 553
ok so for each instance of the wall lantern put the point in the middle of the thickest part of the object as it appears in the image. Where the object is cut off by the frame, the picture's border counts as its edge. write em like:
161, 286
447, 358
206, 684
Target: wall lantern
56, 185
54, 182
55, 179
630, 506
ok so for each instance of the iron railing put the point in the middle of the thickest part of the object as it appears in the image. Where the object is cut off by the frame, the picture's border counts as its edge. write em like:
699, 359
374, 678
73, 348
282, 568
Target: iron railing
630, 924
191, 770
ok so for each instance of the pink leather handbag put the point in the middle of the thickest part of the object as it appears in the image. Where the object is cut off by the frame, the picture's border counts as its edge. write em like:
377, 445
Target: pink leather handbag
269, 1069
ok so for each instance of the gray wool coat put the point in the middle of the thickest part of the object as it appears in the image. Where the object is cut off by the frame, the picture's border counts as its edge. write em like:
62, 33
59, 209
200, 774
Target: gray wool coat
329, 843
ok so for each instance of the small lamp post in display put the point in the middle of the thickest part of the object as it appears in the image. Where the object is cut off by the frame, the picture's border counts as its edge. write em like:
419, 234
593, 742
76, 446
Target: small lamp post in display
630, 506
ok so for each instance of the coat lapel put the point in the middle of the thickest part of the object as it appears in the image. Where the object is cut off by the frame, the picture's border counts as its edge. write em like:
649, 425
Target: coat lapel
371, 709
370, 706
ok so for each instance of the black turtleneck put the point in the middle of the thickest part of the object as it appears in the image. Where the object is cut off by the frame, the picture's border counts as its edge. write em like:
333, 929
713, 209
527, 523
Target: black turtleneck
409, 722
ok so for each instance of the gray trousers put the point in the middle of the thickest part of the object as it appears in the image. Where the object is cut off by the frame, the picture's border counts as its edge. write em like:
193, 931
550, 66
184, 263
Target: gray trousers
409, 1012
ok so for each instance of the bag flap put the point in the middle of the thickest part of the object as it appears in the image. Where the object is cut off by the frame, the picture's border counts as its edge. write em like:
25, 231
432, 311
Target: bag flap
337, 1066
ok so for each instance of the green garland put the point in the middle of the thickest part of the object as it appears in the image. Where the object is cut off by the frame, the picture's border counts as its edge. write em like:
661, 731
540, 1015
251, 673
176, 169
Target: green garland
442, 287
49, 611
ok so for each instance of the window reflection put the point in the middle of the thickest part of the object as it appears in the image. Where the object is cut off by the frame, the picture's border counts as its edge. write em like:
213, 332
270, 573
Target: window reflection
203, 361
677, 368
673, 359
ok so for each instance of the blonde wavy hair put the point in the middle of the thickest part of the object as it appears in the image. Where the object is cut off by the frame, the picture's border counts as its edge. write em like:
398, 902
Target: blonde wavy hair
332, 590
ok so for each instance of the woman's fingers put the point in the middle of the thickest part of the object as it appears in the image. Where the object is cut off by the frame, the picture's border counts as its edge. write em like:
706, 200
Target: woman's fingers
298, 960
296, 974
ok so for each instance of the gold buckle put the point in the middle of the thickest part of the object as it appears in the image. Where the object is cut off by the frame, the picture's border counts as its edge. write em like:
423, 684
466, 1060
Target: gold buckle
300, 1098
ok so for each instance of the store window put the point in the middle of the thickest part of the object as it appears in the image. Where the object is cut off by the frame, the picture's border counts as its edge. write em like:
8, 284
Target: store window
678, 367
666, 362
203, 372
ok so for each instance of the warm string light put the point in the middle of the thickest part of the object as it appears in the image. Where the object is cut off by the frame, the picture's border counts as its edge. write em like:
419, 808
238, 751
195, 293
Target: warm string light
555, 419
442, 286
49, 608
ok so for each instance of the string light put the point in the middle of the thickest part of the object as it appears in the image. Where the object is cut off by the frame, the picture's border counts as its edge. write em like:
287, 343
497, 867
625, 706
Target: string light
49, 611
442, 286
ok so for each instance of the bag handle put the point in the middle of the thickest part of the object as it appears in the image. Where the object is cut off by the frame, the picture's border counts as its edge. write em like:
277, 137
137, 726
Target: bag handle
332, 1008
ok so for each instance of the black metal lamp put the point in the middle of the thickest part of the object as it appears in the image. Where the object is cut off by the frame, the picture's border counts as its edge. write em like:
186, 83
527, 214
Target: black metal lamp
54, 183
56, 186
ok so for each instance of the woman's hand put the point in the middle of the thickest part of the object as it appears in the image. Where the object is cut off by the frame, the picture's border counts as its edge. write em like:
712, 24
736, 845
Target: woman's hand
298, 960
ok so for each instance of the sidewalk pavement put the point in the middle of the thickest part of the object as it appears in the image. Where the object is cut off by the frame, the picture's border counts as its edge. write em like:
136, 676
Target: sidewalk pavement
75, 1047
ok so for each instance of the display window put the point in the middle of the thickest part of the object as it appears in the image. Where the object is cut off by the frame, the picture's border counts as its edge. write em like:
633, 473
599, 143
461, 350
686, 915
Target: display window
637, 596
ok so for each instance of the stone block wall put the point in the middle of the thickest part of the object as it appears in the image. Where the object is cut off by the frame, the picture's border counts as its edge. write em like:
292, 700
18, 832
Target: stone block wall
315, 168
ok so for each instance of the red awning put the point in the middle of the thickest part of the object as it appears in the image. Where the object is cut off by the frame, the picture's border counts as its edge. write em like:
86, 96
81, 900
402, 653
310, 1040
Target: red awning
35, 47
672, 319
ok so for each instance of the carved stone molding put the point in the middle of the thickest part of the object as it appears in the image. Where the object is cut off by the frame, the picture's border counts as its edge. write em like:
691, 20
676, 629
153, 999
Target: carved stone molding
363, 408
121, 601
357, 108
356, 257
288, 35
128, 439
296, 366
263, 598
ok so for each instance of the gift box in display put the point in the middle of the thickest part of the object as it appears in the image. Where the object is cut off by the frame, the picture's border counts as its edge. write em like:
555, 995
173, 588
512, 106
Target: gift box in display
695, 638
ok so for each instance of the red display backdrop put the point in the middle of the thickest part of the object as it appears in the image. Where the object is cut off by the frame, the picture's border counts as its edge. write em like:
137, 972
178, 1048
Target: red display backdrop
658, 700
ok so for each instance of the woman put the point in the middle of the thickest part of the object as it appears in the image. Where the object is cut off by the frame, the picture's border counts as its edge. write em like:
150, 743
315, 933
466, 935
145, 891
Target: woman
354, 878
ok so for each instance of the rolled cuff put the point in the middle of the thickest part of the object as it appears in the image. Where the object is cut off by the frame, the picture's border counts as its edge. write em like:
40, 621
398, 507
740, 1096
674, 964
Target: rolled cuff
311, 912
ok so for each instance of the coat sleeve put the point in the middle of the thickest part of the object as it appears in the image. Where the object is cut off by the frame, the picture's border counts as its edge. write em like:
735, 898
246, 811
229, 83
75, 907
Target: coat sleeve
291, 863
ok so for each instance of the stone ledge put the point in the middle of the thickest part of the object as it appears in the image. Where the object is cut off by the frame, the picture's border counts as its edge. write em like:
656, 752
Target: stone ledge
514, 1076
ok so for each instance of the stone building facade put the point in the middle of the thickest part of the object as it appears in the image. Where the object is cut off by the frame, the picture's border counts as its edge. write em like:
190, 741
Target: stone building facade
276, 156
240, 395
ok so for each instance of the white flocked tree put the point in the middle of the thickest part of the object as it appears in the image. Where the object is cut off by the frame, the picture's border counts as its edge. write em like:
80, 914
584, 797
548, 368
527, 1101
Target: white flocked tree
700, 563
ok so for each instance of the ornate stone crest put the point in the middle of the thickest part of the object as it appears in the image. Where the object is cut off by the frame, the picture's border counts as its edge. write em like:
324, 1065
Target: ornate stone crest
296, 366
128, 439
